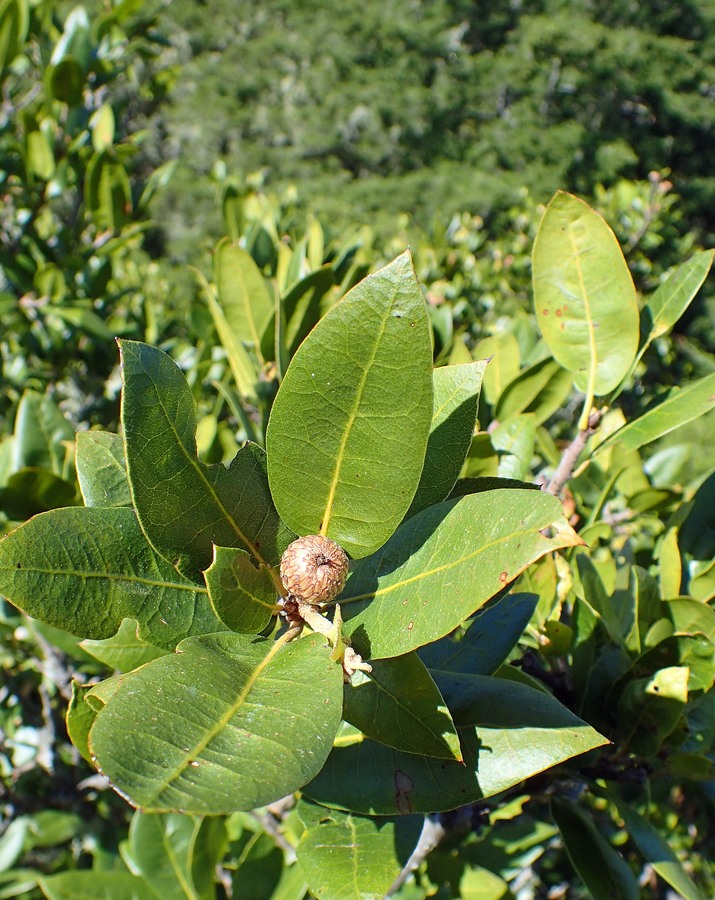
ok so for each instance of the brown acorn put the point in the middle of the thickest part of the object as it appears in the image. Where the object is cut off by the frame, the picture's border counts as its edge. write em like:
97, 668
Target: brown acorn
314, 569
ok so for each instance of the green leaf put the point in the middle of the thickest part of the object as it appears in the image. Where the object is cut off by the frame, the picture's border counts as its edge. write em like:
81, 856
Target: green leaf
184, 505
85, 569
32, 491
243, 595
541, 389
665, 307
584, 296
456, 403
693, 651
604, 872
348, 431
42, 435
444, 564
162, 850
514, 440
681, 405
124, 651
258, 867
245, 373
490, 637
501, 351
236, 722
102, 125
66, 81
107, 191
101, 472
509, 732
301, 305
482, 460
349, 857
80, 718
657, 852
14, 24
242, 294
399, 704
96, 885
692, 617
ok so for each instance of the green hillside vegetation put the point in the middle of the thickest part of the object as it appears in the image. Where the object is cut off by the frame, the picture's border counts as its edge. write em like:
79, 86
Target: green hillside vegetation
401, 106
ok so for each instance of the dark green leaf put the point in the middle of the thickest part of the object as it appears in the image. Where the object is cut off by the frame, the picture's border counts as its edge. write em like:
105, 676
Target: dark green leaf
657, 852
86, 569
487, 642
456, 403
604, 872
399, 705
510, 733
184, 505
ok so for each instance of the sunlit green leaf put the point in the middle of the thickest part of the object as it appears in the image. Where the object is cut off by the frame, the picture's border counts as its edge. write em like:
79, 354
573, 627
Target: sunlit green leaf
584, 295
456, 403
681, 405
348, 430
444, 564
350, 857
184, 505
235, 722
85, 569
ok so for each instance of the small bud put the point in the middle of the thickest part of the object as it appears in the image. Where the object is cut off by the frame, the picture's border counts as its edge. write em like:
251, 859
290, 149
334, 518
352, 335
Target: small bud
314, 569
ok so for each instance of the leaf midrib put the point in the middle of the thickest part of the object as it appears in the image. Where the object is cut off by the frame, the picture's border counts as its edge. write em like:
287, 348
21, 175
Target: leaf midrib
195, 752
327, 516
428, 573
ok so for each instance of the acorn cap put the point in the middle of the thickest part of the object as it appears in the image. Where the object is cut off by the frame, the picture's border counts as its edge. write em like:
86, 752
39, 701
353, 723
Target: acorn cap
314, 569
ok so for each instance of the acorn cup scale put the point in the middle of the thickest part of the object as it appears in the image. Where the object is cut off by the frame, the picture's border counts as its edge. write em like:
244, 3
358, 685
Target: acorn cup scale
313, 570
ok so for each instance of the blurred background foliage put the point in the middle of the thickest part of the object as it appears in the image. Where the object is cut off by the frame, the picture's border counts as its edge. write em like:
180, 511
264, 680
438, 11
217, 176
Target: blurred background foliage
324, 138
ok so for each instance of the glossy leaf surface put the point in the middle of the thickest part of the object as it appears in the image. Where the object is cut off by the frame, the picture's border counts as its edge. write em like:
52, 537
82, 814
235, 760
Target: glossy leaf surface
236, 722
444, 564
584, 295
348, 429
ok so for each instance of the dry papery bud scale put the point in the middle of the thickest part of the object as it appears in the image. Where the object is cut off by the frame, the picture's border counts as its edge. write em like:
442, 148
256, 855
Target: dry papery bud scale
313, 569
